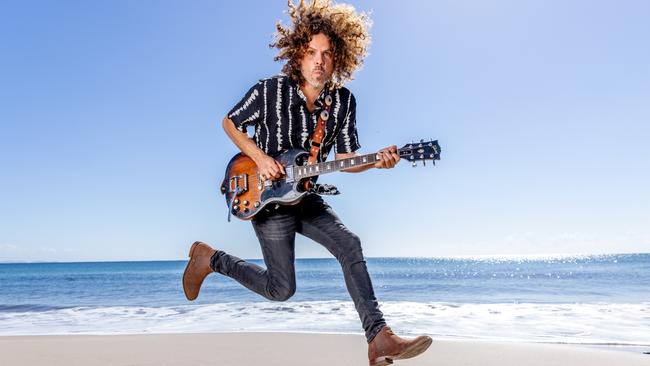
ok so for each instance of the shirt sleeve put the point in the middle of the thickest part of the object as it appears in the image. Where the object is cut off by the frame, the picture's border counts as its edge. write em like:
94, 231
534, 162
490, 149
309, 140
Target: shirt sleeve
347, 140
248, 110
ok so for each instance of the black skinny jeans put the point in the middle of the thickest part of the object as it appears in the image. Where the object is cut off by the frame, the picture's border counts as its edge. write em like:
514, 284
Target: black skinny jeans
276, 230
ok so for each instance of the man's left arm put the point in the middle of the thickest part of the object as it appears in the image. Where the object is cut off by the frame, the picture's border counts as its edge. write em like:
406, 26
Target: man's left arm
388, 158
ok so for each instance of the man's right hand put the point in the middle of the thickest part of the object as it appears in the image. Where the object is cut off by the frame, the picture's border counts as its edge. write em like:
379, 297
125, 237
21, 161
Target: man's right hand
269, 168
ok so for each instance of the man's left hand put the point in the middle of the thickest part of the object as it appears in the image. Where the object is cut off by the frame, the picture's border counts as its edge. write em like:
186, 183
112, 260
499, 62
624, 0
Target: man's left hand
388, 158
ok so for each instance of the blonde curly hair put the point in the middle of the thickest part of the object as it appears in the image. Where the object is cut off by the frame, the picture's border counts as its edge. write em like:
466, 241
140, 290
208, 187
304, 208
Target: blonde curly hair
341, 23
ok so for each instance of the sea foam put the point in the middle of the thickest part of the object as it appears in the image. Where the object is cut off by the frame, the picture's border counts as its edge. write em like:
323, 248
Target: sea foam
598, 323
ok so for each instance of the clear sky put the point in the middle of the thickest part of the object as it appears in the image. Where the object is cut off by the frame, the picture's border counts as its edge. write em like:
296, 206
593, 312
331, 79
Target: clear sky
111, 146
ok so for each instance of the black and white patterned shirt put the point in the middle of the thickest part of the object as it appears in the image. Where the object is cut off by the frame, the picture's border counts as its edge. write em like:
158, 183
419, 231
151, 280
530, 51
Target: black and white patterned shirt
277, 109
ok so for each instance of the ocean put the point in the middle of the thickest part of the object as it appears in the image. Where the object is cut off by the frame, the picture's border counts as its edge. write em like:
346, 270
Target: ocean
595, 300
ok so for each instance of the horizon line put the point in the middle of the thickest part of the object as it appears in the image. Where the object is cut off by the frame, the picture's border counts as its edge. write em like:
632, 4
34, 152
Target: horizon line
475, 257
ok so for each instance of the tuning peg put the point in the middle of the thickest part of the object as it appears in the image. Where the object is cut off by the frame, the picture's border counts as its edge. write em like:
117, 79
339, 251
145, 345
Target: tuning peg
424, 162
414, 164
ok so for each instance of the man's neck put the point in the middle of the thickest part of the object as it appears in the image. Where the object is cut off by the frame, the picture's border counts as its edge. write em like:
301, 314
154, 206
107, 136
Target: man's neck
311, 93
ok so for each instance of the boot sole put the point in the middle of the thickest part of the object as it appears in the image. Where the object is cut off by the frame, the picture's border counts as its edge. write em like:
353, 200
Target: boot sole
381, 361
409, 353
194, 245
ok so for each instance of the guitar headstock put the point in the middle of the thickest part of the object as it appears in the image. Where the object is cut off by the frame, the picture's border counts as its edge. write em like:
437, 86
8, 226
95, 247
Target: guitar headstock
423, 150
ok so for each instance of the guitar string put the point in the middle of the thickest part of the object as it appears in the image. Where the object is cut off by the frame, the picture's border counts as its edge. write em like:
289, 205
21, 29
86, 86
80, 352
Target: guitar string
338, 167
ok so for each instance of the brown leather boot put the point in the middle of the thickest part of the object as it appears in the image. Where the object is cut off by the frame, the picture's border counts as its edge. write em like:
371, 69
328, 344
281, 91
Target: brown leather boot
386, 347
198, 268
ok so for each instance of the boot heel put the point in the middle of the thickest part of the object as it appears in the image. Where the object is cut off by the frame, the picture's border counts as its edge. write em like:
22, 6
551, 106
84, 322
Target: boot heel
196, 243
381, 361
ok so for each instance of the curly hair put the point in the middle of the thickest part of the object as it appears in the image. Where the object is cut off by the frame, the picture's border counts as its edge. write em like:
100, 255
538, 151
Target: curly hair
346, 29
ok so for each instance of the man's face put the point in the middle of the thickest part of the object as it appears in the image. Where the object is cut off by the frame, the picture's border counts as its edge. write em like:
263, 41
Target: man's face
317, 63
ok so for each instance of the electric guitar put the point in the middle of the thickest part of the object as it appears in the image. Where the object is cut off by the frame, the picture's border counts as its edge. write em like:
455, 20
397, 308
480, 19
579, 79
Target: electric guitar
246, 194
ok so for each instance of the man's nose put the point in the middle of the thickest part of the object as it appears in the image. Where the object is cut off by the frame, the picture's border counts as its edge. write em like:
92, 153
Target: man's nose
318, 58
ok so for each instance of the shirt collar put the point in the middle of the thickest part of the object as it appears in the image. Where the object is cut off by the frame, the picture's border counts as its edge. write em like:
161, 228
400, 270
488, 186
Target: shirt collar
318, 103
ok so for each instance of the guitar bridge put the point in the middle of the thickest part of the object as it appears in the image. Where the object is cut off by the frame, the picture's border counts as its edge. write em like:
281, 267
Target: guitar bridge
238, 184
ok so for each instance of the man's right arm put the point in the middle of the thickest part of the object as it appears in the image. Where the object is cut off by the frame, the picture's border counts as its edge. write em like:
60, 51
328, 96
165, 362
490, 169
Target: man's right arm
268, 167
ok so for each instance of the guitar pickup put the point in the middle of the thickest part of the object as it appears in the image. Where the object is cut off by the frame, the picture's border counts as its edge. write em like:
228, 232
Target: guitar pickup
238, 184
289, 170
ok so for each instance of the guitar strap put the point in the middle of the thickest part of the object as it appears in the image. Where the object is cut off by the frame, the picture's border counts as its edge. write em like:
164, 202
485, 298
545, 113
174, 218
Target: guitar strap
314, 150
319, 132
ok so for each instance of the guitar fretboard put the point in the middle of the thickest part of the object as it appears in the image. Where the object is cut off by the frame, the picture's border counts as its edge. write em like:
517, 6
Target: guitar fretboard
306, 171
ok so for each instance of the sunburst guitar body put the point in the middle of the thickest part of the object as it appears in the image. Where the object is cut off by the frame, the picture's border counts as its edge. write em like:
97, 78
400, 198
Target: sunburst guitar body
247, 194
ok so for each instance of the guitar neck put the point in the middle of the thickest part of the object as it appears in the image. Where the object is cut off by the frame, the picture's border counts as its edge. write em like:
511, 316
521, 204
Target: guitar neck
325, 167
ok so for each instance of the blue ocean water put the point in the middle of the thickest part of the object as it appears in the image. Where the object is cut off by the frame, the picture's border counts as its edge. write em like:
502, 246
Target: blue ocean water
602, 299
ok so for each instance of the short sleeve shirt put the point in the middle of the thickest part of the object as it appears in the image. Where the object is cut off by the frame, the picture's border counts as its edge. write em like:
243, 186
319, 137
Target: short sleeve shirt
277, 109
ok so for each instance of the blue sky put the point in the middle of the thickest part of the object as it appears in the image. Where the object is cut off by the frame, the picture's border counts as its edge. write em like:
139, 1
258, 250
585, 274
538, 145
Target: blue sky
111, 148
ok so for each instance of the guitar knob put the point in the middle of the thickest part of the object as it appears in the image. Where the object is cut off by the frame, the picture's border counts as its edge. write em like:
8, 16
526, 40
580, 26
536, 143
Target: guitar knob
256, 204
245, 203
328, 101
324, 115
235, 208
245, 210
236, 200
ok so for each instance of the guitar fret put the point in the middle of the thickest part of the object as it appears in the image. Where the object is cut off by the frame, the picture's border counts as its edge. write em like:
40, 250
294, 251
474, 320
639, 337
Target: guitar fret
328, 167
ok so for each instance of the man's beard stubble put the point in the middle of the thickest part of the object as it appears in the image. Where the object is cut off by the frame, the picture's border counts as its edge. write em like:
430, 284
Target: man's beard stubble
318, 83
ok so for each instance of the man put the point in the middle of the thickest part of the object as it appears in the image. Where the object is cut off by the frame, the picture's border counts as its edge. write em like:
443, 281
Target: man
324, 47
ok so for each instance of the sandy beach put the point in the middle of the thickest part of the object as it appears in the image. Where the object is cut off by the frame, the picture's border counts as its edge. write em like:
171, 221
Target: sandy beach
283, 349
